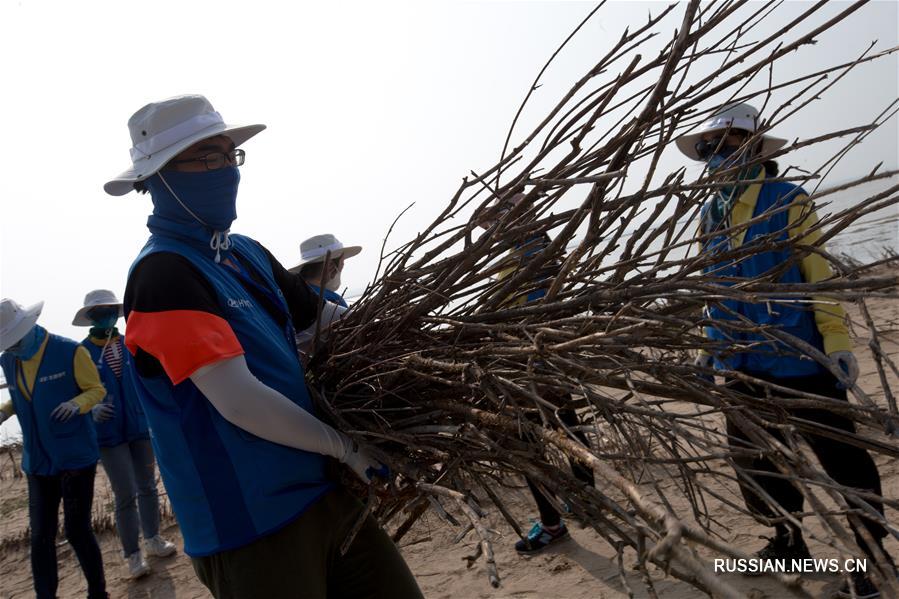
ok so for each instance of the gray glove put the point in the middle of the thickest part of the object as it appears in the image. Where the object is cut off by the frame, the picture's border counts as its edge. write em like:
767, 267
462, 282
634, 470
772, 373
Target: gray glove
365, 466
65, 411
3, 416
103, 412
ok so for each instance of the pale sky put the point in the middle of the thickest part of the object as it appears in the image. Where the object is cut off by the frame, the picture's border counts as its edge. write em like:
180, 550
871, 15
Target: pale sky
371, 106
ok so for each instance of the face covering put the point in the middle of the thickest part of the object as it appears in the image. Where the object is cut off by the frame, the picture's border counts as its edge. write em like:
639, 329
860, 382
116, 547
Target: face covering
27, 346
721, 205
207, 197
334, 283
105, 317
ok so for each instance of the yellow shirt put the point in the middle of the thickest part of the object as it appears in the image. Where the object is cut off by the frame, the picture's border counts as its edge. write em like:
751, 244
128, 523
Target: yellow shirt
518, 258
86, 376
830, 317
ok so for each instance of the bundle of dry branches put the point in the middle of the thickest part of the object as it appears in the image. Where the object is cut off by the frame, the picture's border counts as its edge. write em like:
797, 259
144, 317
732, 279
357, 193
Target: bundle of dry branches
457, 386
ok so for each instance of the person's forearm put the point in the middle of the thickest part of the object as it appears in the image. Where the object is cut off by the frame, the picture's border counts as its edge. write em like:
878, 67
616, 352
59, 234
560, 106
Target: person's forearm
830, 318
331, 314
88, 379
246, 402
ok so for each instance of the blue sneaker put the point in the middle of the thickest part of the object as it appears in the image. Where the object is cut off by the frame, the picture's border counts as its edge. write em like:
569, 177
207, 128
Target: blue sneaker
539, 538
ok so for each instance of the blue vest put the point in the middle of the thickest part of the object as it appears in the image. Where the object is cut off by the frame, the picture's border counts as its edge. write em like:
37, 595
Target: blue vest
227, 486
770, 358
331, 296
51, 446
128, 423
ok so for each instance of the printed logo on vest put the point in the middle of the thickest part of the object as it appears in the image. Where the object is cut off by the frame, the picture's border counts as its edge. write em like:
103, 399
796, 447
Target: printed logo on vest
51, 377
239, 303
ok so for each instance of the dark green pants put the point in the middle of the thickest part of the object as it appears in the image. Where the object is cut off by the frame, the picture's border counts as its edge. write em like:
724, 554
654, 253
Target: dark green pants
303, 560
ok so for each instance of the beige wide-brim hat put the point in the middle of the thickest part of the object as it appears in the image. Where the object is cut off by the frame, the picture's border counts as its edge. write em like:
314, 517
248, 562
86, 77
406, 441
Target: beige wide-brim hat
162, 130
95, 299
316, 248
738, 116
16, 320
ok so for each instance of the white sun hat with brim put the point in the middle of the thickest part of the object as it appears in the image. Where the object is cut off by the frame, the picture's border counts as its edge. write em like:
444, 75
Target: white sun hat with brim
316, 248
96, 299
16, 321
737, 116
162, 130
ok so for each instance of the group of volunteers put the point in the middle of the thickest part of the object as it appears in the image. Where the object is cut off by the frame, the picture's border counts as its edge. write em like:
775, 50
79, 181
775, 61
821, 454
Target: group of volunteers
208, 380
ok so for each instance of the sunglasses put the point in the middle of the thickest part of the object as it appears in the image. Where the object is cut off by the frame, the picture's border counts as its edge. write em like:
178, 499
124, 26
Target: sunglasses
706, 148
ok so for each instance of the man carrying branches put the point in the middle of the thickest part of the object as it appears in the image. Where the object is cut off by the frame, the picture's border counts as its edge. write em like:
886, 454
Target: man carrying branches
550, 528
772, 218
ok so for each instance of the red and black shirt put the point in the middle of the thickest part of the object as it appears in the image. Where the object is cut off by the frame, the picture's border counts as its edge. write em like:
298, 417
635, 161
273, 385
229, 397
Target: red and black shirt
175, 322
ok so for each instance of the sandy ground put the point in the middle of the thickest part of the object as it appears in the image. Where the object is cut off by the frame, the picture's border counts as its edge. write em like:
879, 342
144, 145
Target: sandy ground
583, 567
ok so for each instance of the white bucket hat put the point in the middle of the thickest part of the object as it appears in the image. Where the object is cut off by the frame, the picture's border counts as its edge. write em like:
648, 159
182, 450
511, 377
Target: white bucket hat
94, 299
738, 116
16, 320
316, 248
162, 130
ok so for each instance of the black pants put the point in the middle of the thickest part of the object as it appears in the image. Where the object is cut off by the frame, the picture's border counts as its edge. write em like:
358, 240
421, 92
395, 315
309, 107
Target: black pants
846, 464
549, 516
76, 490
303, 560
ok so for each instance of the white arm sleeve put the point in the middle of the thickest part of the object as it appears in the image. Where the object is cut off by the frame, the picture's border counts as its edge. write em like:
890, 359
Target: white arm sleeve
244, 401
331, 313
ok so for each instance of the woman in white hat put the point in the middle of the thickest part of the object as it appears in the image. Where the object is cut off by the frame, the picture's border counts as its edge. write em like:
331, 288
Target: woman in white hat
318, 275
122, 433
550, 529
53, 385
734, 149
211, 324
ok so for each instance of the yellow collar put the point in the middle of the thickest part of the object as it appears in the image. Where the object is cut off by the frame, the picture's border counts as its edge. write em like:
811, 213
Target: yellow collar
750, 195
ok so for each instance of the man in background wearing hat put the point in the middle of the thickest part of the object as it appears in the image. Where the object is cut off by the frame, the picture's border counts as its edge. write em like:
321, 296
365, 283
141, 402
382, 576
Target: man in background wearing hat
323, 279
211, 324
53, 385
122, 433
318, 275
730, 140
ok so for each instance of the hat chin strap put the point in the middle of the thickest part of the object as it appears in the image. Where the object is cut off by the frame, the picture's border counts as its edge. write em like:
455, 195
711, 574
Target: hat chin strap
220, 239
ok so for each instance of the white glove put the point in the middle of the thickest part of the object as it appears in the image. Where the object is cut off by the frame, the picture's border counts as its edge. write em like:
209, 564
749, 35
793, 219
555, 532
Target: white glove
703, 360
365, 466
845, 361
103, 412
65, 410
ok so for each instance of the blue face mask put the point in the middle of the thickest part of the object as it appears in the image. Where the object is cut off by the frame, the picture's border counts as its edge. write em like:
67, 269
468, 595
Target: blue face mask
105, 317
27, 346
208, 196
726, 157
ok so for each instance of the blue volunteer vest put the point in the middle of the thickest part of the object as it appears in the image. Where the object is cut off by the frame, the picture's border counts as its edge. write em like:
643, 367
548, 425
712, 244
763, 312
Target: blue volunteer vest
227, 486
771, 358
128, 423
331, 296
51, 446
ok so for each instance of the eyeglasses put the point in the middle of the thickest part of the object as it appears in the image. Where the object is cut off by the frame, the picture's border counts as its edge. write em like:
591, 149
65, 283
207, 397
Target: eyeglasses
217, 160
706, 147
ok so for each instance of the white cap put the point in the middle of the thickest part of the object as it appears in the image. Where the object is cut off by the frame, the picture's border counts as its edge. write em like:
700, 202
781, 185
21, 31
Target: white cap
95, 298
16, 321
162, 130
316, 248
737, 116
